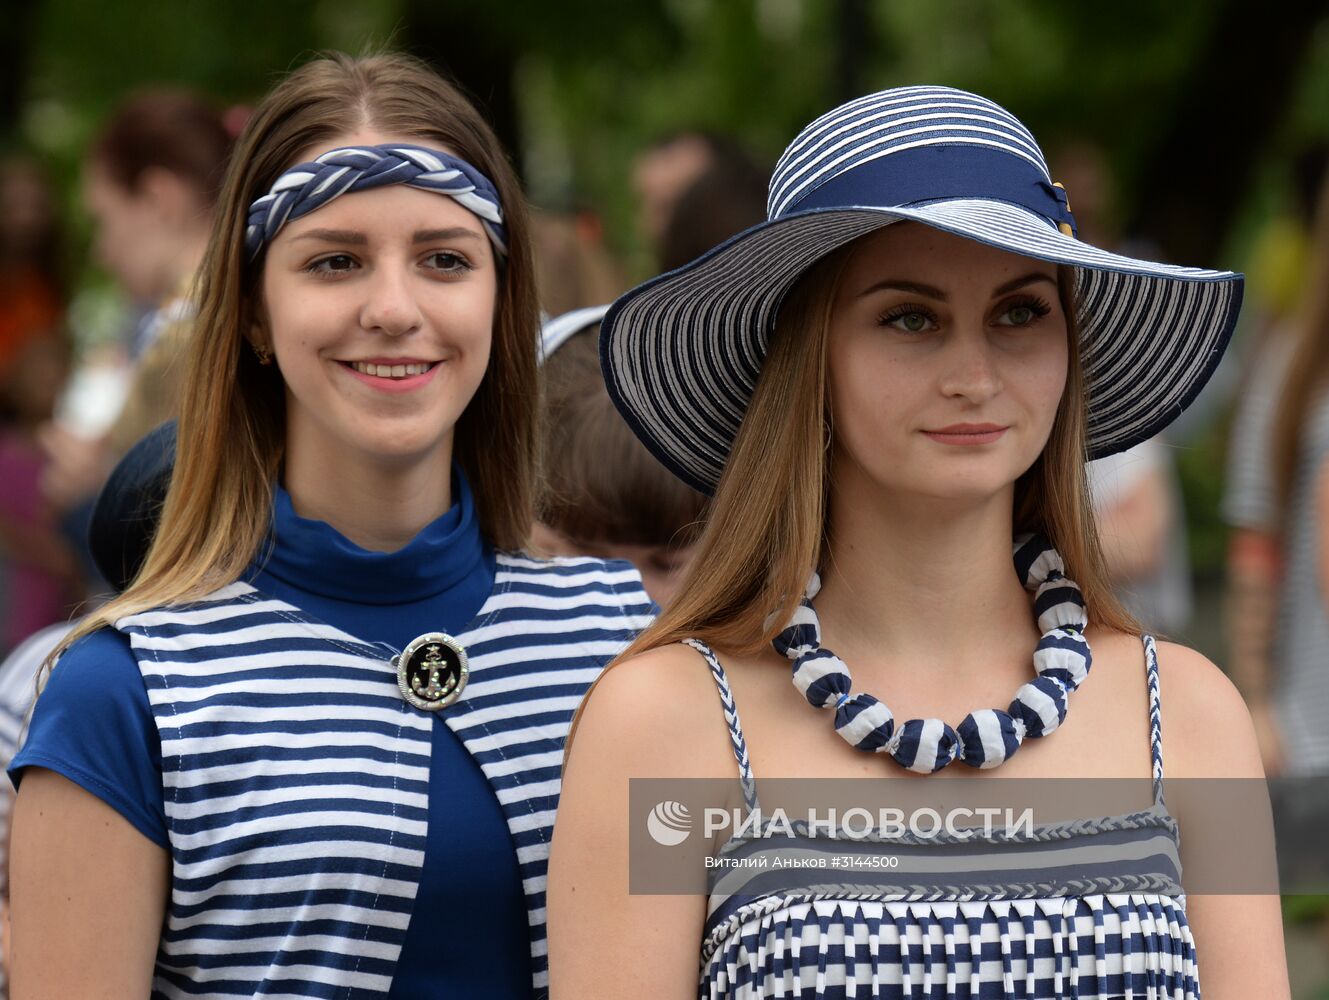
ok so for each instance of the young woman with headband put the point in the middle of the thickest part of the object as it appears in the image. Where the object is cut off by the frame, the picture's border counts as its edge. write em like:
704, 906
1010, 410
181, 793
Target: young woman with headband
891, 388
313, 749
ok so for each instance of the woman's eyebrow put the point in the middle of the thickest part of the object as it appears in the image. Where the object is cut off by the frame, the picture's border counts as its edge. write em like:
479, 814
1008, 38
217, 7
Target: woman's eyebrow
454, 233
932, 292
913, 287
347, 236
1028, 279
353, 237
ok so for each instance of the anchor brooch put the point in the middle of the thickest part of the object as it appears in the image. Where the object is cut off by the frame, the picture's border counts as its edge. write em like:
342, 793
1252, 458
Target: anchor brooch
432, 671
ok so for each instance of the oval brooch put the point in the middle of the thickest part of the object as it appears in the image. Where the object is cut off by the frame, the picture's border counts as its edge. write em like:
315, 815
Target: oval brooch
431, 671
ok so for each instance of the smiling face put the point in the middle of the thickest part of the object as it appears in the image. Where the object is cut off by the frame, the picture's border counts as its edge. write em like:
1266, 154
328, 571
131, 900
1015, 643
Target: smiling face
947, 360
379, 308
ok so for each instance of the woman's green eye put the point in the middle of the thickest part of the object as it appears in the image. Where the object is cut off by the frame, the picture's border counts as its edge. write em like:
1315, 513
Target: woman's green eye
913, 322
1022, 315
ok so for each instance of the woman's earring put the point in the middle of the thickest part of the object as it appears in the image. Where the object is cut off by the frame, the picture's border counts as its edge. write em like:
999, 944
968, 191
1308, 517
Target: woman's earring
263, 354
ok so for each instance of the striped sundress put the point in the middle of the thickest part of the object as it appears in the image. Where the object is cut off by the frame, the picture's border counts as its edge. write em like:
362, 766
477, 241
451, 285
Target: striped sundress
1086, 909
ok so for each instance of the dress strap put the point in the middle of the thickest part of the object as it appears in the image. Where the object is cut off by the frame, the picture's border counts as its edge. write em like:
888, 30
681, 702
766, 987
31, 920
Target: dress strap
731, 718
1155, 716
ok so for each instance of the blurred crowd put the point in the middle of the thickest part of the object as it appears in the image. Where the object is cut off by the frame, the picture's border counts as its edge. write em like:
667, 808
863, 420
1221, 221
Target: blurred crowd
148, 184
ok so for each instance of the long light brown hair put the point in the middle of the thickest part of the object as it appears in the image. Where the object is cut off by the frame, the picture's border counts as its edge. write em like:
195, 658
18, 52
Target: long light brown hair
231, 435
768, 521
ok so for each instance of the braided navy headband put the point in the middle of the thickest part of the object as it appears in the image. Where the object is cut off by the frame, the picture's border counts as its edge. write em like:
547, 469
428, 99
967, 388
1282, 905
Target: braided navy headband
306, 187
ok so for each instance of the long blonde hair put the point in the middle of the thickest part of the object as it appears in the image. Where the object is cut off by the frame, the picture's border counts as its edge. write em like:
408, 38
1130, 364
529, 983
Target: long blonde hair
231, 434
768, 520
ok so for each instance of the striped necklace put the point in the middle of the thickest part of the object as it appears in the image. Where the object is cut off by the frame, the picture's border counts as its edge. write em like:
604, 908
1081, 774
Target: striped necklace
985, 738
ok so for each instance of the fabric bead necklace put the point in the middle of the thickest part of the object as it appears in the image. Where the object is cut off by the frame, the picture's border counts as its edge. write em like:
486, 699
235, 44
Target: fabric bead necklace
987, 737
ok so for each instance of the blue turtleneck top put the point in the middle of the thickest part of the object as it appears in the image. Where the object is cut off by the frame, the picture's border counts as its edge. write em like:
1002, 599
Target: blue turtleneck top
468, 934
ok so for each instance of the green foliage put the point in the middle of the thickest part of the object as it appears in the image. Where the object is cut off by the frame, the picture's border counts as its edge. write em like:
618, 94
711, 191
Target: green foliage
85, 58
1200, 469
1305, 909
595, 82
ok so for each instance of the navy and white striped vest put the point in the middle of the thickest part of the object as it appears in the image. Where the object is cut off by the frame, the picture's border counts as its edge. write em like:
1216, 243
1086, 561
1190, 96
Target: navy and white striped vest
296, 778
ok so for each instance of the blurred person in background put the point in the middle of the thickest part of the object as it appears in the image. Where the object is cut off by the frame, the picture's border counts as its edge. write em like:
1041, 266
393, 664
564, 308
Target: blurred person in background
38, 576
1277, 502
603, 494
670, 167
150, 182
1142, 527
42, 576
31, 288
573, 267
38, 571
1136, 493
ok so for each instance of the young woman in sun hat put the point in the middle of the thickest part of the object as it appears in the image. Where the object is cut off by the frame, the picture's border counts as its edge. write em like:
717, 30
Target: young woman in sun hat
313, 749
891, 388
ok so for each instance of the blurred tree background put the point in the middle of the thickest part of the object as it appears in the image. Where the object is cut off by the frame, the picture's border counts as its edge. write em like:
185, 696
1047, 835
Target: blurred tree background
1207, 111
1202, 106
1211, 116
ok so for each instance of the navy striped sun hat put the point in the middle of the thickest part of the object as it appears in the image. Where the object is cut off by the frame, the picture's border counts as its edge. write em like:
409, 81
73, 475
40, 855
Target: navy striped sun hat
681, 353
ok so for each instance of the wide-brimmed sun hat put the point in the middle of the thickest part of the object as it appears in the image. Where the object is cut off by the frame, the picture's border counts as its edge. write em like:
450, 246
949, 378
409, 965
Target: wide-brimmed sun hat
681, 353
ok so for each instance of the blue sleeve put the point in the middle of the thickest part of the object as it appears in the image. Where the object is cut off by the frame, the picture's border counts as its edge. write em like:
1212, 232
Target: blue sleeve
93, 725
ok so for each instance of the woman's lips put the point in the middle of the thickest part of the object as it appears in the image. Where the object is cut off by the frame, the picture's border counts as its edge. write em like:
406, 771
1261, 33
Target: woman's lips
411, 376
967, 434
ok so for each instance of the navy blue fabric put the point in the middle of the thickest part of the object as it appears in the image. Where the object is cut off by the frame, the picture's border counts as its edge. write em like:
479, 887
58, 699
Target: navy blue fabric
469, 933
96, 694
932, 173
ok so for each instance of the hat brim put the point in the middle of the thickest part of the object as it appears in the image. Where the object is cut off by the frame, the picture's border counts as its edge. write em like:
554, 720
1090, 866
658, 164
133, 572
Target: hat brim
682, 352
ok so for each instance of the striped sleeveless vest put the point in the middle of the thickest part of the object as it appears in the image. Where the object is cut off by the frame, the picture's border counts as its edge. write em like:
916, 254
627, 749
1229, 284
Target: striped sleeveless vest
296, 778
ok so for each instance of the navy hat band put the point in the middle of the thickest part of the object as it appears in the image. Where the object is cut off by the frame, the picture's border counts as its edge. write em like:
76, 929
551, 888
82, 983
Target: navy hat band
938, 173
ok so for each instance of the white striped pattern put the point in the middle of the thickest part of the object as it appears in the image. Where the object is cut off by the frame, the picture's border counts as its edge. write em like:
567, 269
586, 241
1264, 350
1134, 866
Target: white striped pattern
682, 352
1098, 946
297, 779
892, 122
1087, 908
